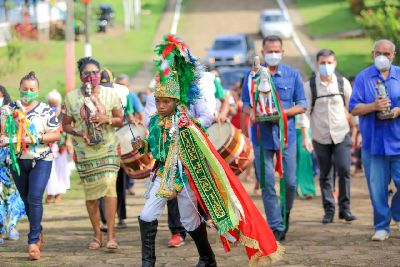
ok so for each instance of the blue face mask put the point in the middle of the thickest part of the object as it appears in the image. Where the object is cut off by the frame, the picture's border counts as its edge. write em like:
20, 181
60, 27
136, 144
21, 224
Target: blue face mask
327, 69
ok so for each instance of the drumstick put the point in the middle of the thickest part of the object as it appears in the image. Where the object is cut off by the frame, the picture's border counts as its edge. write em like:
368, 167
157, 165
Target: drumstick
134, 137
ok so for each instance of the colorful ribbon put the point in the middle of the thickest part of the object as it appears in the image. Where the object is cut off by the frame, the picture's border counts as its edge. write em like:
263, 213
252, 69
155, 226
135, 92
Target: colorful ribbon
10, 129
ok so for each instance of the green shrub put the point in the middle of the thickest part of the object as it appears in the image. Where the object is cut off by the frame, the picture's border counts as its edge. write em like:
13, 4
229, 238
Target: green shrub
383, 23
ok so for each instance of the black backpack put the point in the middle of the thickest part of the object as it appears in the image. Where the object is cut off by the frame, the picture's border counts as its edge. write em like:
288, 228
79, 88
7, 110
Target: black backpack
314, 94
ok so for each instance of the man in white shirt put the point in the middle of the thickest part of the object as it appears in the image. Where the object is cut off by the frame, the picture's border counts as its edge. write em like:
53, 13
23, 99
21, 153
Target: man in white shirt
328, 97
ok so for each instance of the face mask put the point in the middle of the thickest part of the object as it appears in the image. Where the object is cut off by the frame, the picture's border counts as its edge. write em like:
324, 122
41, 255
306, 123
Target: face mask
94, 80
273, 59
327, 69
1, 101
28, 96
382, 63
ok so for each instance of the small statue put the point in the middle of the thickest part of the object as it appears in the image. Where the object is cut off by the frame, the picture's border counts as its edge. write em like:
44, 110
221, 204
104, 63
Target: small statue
264, 92
381, 92
91, 110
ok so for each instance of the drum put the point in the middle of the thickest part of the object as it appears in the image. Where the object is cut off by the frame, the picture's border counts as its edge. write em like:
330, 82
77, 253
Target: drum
232, 145
136, 165
241, 163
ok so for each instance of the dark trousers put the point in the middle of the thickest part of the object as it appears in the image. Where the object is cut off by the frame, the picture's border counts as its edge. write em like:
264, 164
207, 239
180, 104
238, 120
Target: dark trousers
174, 218
31, 183
342, 154
121, 198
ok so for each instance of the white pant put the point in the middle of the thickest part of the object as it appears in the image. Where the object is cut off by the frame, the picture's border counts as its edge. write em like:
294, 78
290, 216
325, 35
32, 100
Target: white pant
187, 203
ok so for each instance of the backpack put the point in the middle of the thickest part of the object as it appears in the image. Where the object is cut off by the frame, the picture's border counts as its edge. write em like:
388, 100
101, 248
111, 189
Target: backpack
314, 94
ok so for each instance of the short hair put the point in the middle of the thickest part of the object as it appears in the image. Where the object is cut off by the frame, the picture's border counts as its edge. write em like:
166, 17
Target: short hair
325, 53
31, 76
54, 95
272, 38
85, 61
384, 41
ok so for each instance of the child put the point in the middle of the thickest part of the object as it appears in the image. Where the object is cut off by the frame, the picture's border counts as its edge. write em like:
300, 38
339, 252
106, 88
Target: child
189, 168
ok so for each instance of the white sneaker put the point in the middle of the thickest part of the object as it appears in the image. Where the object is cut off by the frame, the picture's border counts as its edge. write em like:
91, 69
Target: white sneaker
380, 235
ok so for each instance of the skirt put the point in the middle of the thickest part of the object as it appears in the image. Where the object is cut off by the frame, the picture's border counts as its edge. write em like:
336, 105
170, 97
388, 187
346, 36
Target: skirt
99, 176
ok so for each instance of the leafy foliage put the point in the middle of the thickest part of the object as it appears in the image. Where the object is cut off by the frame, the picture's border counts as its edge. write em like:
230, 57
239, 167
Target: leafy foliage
383, 23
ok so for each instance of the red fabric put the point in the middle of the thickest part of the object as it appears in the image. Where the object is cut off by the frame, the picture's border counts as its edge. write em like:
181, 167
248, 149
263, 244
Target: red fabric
253, 226
236, 119
284, 117
278, 165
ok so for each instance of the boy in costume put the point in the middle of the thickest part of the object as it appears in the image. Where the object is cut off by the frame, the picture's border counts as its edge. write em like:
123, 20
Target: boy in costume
189, 168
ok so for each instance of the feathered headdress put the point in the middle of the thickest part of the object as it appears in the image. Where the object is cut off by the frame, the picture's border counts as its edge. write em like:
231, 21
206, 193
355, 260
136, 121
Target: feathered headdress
178, 71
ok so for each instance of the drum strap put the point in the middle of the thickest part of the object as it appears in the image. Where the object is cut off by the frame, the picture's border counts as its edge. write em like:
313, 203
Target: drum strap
156, 166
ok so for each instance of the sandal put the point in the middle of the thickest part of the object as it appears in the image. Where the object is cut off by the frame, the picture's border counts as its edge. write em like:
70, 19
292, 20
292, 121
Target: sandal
34, 252
95, 244
112, 244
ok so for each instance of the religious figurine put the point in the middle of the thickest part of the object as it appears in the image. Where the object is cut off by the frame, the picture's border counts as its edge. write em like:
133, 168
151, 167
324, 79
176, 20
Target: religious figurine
90, 108
381, 92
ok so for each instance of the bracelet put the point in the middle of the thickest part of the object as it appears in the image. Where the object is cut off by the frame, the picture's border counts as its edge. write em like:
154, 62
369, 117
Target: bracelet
110, 120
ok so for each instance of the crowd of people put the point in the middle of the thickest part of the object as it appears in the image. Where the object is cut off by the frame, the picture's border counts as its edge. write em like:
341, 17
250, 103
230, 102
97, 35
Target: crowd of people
309, 128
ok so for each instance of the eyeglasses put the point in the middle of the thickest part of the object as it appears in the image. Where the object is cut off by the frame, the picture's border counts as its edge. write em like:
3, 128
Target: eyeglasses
93, 72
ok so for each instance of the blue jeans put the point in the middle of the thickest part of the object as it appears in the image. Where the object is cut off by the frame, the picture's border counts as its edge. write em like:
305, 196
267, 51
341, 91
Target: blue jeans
31, 184
269, 197
379, 170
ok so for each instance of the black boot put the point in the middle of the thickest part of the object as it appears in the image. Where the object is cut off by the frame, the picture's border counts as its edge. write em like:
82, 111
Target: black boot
207, 257
148, 232
287, 222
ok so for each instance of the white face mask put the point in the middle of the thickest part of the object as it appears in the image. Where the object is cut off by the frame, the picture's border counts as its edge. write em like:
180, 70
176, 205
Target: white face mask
1, 101
273, 59
382, 63
327, 69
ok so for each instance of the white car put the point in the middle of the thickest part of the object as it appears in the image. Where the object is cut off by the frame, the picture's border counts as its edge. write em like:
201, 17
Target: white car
274, 22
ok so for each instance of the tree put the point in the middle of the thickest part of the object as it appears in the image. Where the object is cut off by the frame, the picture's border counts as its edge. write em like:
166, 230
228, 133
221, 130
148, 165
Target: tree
357, 6
383, 23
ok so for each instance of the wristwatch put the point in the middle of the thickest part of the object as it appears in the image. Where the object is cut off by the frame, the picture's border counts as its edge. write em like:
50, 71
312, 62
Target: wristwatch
74, 132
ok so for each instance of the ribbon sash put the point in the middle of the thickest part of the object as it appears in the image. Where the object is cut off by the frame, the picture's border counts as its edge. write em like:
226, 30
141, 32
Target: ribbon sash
195, 162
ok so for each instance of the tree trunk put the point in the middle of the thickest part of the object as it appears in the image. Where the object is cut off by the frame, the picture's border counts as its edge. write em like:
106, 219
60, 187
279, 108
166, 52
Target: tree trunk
357, 6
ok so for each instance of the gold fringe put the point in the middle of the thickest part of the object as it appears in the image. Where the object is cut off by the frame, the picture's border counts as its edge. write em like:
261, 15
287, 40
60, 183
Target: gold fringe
257, 260
263, 261
249, 242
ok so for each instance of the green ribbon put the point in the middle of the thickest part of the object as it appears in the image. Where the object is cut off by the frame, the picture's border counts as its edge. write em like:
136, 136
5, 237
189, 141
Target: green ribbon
282, 183
197, 165
129, 107
11, 130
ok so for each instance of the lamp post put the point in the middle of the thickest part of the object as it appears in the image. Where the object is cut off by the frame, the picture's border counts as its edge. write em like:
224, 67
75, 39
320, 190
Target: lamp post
69, 48
88, 46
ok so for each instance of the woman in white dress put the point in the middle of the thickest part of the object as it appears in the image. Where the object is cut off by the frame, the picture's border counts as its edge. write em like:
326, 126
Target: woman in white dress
59, 181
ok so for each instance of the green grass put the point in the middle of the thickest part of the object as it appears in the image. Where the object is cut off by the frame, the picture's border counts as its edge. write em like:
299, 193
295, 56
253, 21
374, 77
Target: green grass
120, 51
353, 55
324, 17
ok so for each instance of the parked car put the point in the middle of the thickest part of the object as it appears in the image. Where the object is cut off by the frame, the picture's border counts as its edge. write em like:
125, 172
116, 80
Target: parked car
106, 17
229, 50
275, 22
231, 75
